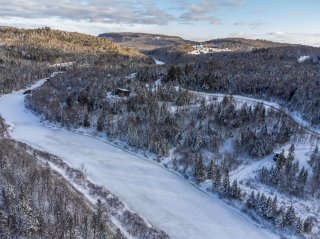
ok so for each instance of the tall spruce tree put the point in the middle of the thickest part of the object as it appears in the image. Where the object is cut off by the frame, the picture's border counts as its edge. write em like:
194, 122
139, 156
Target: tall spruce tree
217, 179
211, 170
226, 189
199, 170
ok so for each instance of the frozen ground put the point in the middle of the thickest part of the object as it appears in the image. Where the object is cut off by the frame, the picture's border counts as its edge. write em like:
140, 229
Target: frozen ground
163, 198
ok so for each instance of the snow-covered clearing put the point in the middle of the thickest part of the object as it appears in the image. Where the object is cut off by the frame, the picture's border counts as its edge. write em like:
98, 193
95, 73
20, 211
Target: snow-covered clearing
63, 64
303, 58
200, 49
163, 198
158, 62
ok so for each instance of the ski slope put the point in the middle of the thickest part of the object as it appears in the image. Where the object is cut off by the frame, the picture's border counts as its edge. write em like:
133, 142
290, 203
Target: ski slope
163, 198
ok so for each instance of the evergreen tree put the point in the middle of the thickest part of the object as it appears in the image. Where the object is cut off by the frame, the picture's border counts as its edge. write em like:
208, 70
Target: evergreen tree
202, 109
251, 200
101, 122
199, 170
86, 121
261, 207
235, 190
290, 216
271, 207
118, 235
98, 221
315, 156
226, 189
291, 153
280, 218
217, 179
297, 227
211, 170
264, 175
308, 224
281, 161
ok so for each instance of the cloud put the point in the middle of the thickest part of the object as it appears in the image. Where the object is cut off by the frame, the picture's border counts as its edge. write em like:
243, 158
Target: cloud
120, 12
206, 10
253, 25
239, 23
106, 11
280, 33
312, 39
256, 25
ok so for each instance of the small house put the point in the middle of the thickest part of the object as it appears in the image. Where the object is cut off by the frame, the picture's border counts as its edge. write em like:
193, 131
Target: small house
122, 92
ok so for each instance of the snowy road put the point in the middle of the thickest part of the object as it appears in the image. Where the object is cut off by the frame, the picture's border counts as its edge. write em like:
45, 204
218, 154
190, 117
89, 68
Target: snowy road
242, 99
164, 199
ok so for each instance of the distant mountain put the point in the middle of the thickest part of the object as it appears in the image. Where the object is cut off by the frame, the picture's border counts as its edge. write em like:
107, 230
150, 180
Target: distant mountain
171, 48
241, 44
145, 42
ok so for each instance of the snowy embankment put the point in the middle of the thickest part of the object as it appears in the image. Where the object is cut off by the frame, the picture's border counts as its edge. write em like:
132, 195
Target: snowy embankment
163, 198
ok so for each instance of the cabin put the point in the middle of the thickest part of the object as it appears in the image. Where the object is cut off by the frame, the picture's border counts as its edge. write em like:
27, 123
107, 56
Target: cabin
27, 92
275, 157
122, 92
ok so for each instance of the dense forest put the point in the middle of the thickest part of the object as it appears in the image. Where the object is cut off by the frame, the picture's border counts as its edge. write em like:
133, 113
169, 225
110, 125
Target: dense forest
272, 74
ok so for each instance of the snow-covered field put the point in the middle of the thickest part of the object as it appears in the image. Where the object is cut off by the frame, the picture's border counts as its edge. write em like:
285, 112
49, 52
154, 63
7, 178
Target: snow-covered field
163, 198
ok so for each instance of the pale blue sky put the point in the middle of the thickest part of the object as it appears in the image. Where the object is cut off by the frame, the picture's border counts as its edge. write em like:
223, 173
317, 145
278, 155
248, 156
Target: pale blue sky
296, 21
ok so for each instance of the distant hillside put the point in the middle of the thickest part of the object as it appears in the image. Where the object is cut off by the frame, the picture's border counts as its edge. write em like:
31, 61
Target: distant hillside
241, 44
63, 42
144, 41
171, 48
30, 54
